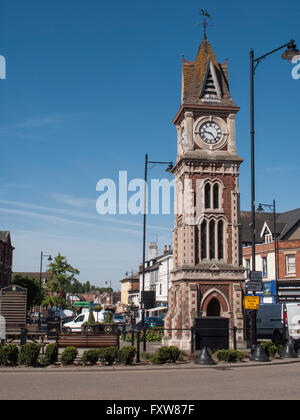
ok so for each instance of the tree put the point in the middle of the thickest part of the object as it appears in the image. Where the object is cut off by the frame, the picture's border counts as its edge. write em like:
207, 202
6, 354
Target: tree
34, 294
62, 278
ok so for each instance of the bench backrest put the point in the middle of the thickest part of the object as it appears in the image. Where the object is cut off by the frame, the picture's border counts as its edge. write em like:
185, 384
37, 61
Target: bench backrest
87, 340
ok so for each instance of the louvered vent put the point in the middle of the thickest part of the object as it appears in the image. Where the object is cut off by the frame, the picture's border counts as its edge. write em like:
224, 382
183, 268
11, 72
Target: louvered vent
209, 93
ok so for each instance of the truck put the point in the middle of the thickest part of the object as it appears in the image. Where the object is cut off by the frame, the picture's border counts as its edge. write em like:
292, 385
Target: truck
79, 324
279, 321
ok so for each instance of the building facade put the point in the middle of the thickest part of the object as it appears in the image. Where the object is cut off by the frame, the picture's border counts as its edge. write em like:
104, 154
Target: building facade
128, 285
280, 264
207, 276
157, 276
6, 259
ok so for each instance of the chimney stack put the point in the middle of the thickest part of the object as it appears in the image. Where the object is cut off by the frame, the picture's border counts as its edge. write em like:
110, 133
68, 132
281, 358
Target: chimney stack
152, 251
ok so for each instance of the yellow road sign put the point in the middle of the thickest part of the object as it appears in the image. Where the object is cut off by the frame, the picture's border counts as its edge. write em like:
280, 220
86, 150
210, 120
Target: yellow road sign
251, 302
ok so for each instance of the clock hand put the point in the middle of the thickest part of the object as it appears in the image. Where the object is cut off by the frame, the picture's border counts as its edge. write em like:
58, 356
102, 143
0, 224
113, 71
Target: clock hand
208, 132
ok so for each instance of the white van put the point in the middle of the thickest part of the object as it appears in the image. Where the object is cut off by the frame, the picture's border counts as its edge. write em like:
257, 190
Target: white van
76, 324
272, 320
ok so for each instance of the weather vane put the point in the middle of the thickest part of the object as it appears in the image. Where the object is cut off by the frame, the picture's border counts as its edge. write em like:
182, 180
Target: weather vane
205, 15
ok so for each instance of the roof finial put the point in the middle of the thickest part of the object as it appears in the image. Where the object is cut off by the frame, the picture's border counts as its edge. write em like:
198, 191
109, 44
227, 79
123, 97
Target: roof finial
205, 15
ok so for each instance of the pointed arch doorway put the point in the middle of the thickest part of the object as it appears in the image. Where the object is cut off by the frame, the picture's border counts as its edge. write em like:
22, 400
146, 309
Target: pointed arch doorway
213, 308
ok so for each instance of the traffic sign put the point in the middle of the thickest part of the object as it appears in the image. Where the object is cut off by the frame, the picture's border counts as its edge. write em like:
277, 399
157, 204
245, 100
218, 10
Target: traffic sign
256, 275
254, 286
251, 302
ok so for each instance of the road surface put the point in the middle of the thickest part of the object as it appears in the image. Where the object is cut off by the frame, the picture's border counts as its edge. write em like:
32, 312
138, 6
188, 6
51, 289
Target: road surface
208, 383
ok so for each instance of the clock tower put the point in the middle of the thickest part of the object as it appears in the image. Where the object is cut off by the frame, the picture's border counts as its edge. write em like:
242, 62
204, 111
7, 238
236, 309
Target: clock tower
208, 276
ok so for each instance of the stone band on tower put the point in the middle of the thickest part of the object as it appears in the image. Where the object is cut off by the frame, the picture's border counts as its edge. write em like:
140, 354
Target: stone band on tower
208, 276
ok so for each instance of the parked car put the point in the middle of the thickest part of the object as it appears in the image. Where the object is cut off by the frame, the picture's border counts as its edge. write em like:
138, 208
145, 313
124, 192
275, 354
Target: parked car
119, 319
150, 322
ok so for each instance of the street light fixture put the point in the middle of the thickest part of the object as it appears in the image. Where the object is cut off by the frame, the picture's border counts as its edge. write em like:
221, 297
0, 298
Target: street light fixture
41, 272
169, 169
272, 207
289, 54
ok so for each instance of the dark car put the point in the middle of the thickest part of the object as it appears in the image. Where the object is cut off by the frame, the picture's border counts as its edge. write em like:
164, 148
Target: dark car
151, 322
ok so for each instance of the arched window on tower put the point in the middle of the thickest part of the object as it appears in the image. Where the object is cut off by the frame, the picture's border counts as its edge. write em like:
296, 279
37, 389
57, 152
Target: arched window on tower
216, 196
220, 240
212, 242
207, 193
203, 240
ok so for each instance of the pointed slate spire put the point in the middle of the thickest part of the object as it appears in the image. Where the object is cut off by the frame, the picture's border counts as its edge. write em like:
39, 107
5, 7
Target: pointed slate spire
205, 80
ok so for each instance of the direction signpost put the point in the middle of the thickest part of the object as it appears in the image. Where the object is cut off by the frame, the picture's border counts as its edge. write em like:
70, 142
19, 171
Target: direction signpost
252, 302
256, 276
255, 286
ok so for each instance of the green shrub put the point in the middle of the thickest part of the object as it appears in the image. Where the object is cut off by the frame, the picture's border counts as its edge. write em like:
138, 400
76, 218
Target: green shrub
164, 354
43, 361
145, 356
229, 356
109, 355
69, 355
90, 356
108, 318
151, 335
270, 348
29, 354
3, 356
155, 359
127, 354
9, 354
174, 353
51, 353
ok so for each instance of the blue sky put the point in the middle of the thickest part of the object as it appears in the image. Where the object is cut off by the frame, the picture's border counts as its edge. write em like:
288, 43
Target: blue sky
91, 86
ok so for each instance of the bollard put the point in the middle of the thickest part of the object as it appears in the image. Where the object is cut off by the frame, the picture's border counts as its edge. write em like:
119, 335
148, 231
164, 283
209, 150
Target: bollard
204, 358
259, 355
289, 351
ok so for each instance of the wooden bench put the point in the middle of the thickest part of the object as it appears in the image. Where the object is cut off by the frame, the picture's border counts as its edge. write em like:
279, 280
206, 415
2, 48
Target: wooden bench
87, 340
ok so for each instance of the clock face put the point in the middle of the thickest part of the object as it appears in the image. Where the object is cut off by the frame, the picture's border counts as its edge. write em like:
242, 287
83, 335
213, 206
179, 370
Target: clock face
210, 132
182, 137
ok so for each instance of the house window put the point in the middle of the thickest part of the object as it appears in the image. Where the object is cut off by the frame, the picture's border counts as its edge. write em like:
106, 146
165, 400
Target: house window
265, 266
290, 263
268, 238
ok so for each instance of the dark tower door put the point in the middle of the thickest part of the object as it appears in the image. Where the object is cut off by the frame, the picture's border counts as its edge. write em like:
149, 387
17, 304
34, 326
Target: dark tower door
213, 308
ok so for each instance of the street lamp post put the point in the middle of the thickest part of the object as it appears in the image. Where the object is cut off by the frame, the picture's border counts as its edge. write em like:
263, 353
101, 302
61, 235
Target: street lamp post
290, 52
273, 208
109, 290
41, 272
144, 227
